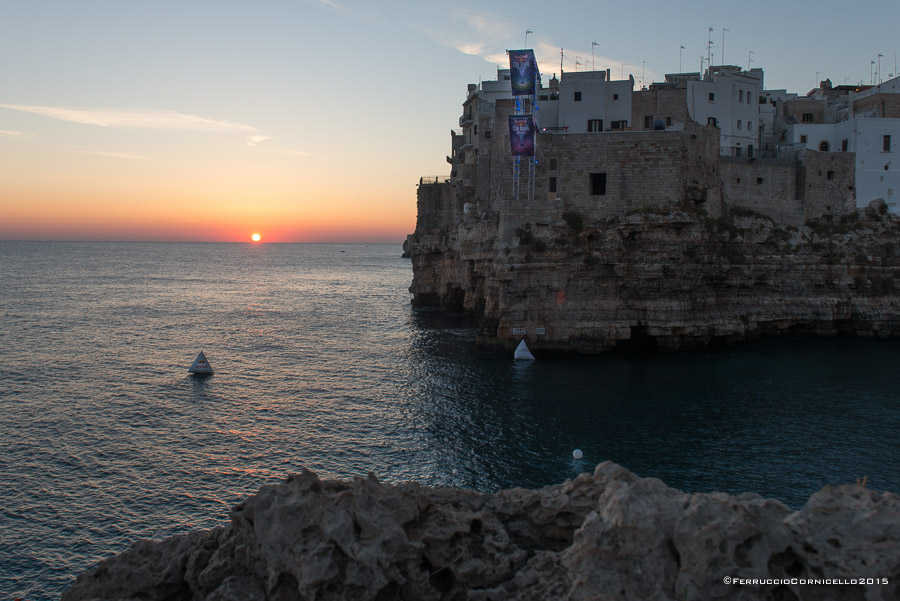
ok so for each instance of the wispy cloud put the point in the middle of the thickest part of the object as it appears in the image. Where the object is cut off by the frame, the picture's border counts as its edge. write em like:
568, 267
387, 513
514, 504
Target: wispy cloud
131, 118
331, 4
114, 155
469, 32
254, 140
548, 57
6, 132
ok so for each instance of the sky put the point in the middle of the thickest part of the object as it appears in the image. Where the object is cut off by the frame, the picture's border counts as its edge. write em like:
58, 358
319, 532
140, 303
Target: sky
313, 120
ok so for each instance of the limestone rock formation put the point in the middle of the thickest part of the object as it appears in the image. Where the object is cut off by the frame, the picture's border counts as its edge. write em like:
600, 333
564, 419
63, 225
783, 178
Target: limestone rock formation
607, 535
664, 277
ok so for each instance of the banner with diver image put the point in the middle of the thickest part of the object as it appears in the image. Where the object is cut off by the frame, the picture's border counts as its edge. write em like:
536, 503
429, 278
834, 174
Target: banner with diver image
523, 72
521, 135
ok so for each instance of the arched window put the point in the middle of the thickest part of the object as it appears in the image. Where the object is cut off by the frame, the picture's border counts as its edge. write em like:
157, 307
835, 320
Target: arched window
823, 146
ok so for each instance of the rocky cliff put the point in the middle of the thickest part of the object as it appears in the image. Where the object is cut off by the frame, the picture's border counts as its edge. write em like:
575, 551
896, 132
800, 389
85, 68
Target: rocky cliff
661, 277
606, 535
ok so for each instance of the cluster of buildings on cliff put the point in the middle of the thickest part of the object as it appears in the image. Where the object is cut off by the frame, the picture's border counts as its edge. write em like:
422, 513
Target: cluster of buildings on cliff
708, 140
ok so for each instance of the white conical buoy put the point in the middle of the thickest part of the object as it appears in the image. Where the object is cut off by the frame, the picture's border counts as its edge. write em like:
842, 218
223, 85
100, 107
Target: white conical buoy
522, 352
200, 365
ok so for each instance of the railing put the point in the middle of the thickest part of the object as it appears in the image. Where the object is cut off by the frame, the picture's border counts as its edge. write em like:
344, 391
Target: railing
434, 179
467, 118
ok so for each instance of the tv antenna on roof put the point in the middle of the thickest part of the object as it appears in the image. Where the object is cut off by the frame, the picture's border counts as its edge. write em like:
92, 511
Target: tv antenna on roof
593, 67
723, 44
527, 31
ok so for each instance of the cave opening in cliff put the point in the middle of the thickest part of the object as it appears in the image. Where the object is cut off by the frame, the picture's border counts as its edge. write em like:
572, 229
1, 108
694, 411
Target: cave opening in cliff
640, 342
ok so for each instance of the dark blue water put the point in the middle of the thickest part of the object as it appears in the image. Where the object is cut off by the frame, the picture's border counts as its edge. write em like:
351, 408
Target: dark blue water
322, 363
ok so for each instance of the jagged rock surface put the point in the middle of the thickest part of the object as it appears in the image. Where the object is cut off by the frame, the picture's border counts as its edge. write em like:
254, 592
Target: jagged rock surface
609, 535
672, 278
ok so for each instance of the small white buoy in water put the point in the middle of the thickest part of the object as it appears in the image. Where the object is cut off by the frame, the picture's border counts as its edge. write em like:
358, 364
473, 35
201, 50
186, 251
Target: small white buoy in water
522, 353
200, 365
577, 454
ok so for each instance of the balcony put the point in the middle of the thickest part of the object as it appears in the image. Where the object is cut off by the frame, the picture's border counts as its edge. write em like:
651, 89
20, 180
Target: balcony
466, 119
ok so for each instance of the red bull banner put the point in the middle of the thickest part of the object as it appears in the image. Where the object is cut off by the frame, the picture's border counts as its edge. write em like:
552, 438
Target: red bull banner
521, 135
523, 72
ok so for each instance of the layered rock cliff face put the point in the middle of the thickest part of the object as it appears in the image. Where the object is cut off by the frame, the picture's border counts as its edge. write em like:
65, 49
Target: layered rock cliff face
604, 536
657, 277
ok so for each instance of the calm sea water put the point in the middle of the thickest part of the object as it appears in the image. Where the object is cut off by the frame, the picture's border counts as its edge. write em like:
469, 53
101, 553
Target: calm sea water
322, 363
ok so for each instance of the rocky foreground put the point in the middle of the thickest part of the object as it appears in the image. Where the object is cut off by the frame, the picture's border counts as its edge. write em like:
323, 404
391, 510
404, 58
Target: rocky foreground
606, 535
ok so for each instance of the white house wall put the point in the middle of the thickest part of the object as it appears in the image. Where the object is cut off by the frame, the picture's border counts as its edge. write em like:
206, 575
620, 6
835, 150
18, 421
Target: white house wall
877, 171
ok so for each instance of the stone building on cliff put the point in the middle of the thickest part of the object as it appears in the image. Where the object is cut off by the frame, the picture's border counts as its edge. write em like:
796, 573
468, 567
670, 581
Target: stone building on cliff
649, 214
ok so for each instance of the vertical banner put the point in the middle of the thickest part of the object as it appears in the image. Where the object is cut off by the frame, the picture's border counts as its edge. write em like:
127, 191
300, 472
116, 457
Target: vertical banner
521, 135
522, 72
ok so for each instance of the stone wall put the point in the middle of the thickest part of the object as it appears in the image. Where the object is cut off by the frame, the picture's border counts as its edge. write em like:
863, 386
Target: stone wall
886, 105
767, 186
660, 103
828, 182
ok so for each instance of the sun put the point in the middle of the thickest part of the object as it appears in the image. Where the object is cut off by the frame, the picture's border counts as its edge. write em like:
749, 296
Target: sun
256, 237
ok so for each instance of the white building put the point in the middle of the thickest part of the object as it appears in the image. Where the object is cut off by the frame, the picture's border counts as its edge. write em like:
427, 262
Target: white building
729, 99
865, 130
590, 103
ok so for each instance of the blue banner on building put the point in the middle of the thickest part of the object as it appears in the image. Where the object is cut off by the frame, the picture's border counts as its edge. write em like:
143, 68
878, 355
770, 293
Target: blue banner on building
523, 72
521, 135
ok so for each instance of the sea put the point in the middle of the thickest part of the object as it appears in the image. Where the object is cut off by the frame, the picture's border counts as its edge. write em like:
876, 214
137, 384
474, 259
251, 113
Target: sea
322, 363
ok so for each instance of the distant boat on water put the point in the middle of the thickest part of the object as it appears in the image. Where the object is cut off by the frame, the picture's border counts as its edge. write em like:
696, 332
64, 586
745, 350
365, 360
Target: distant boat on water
200, 365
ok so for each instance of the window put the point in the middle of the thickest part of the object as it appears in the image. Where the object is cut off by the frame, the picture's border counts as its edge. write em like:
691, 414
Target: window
886, 144
552, 184
476, 129
737, 151
552, 164
740, 95
807, 117
487, 135
758, 180
598, 184
712, 97
595, 125
615, 96
749, 125
803, 139
544, 97
750, 150
830, 176
739, 123
844, 145
823, 146
668, 122
577, 96
618, 124
648, 121
712, 121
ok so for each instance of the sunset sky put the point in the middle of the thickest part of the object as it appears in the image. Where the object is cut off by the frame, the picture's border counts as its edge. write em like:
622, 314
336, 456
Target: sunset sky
312, 120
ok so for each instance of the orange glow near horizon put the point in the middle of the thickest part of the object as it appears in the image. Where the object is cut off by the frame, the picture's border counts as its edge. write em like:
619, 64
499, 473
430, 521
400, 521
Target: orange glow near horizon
188, 196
